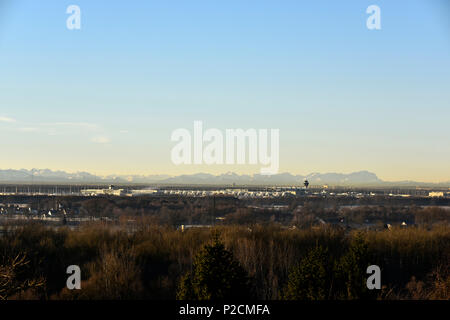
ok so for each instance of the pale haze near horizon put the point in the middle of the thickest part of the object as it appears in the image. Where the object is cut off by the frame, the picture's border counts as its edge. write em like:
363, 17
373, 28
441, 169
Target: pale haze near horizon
105, 99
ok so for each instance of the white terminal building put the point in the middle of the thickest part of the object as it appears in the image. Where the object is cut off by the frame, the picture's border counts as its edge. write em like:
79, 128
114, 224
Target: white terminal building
436, 194
110, 191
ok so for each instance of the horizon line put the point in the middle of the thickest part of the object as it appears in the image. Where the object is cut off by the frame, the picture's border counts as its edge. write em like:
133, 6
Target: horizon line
24, 170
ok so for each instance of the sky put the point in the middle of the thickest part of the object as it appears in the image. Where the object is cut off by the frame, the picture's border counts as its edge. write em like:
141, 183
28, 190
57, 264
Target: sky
106, 98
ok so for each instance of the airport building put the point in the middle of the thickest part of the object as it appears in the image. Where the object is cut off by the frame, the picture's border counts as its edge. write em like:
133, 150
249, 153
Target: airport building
97, 192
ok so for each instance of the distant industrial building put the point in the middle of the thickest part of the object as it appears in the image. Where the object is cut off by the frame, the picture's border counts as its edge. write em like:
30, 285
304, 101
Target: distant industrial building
436, 194
97, 192
144, 192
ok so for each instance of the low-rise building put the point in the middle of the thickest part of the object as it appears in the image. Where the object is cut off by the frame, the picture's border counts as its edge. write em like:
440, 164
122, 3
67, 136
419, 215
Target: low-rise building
436, 194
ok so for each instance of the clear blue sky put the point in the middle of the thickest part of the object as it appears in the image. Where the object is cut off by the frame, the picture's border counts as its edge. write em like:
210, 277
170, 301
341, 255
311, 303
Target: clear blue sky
106, 98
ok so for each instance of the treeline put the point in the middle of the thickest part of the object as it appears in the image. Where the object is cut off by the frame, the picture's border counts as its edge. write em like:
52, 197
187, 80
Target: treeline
268, 262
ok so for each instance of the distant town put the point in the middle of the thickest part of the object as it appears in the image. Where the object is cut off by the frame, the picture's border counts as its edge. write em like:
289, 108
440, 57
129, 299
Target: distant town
205, 206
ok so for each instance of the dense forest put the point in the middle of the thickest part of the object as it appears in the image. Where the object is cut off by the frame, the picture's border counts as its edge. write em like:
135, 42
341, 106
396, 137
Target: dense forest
299, 248
259, 261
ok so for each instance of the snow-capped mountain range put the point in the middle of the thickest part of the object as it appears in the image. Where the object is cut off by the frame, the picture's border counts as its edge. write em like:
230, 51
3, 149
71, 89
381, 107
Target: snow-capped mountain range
359, 178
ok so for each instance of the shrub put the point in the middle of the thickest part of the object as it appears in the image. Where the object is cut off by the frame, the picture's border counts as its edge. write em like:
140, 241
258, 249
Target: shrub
310, 280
